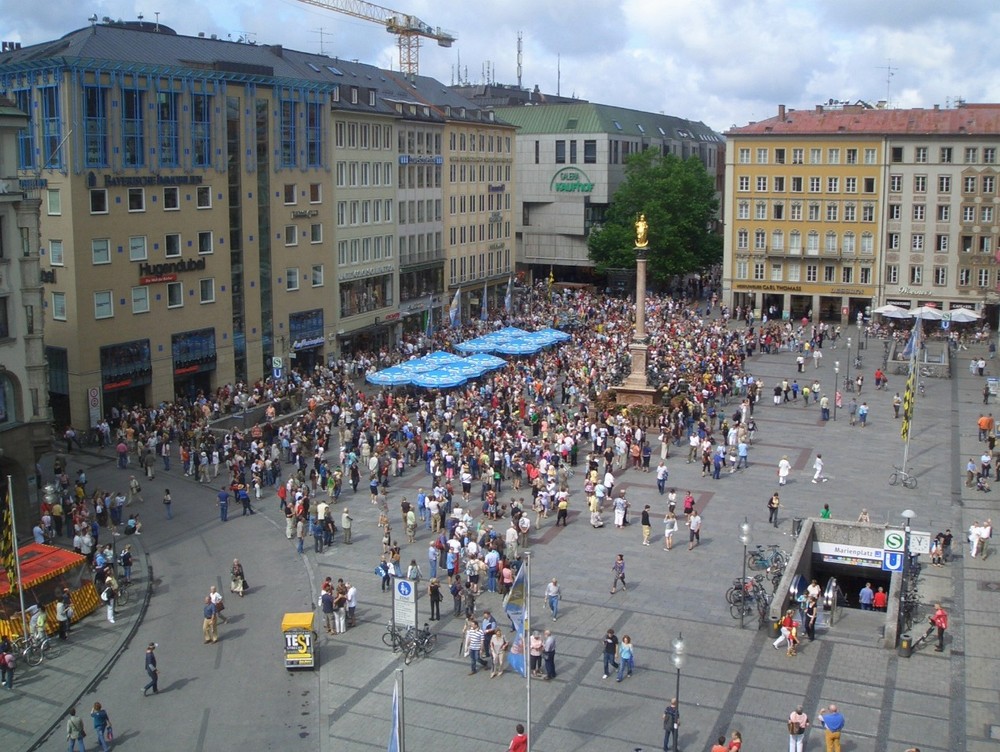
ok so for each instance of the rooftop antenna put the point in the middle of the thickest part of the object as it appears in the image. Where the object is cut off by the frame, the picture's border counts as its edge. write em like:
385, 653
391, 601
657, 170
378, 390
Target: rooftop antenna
890, 71
322, 34
140, 19
93, 21
157, 14
520, 58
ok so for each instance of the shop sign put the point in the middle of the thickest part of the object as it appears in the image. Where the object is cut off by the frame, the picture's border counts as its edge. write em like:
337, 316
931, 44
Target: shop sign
500, 188
392, 316
305, 213
167, 272
571, 180
850, 291
956, 305
910, 291
307, 343
157, 279
768, 288
117, 181
370, 272
435, 159
900, 302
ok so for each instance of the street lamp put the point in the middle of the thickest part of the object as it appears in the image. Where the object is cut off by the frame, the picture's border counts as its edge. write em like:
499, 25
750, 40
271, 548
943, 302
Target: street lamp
746, 538
678, 658
836, 387
908, 515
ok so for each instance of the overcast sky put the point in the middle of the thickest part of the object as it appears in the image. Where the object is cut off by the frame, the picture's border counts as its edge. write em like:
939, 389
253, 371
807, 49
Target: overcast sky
724, 62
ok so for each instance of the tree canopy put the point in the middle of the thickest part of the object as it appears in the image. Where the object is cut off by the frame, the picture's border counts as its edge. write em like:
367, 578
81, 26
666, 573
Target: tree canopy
678, 198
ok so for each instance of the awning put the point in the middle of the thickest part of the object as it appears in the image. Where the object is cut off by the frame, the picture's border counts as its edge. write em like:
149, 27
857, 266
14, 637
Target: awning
41, 563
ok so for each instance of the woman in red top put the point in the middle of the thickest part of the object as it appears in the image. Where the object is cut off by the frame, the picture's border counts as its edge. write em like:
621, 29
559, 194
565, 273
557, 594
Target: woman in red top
880, 600
736, 742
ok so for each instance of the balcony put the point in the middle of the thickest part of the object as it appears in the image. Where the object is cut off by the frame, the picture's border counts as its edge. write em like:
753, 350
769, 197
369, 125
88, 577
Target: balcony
415, 258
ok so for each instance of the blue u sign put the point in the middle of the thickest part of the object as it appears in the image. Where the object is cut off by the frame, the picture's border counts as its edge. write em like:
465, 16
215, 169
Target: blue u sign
893, 561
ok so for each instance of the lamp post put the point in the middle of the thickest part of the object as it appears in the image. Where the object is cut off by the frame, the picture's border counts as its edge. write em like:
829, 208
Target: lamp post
908, 515
836, 387
746, 538
678, 658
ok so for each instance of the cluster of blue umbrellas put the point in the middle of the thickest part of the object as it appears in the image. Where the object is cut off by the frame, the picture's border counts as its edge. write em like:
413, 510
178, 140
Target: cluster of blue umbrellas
439, 370
513, 341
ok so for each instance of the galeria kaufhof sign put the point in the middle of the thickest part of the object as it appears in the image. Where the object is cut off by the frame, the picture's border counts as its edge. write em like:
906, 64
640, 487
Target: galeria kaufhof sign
571, 180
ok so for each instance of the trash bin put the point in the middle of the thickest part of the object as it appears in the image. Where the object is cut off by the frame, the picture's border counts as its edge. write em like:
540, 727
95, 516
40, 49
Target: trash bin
905, 645
775, 626
797, 526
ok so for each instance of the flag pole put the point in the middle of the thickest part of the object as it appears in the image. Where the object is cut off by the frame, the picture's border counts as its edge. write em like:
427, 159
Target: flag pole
402, 703
17, 555
527, 632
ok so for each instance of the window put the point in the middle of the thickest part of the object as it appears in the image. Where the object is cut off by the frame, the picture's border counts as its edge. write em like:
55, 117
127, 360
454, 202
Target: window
291, 235
850, 185
815, 184
892, 241
795, 242
590, 152
987, 214
201, 129
133, 111
56, 257
848, 243
832, 209
897, 154
204, 197
831, 242
778, 240
940, 276
796, 185
572, 151
167, 127
984, 277
868, 213
941, 243
172, 245
137, 248
964, 277
140, 299
815, 156
289, 193
919, 183
287, 114
137, 199
892, 274
920, 155
171, 199
778, 210
917, 242
316, 193
869, 185
760, 240
919, 212
870, 156
812, 243
100, 249
205, 244
812, 272
944, 213
916, 275
779, 184
744, 183
742, 270
833, 185
742, 240
989, 154
895, 183
761, 183
53, 202
829, 273
798, 156
206, 290
317, 275
833, 156
560, 152
971, 154
760, 210
761, 156
867, 244
847, 275
944, 183
989, 183
850, 212
968, 185
866, 275
743, 210
98, 201
316, 232
95, 126
744, 156
776, 271
103, 305
796, 212
758, 270
851, 156
945, 155
814, 212
779, 156
794, 272
59, 306
314, 133
968, 214
292, 278
175, 295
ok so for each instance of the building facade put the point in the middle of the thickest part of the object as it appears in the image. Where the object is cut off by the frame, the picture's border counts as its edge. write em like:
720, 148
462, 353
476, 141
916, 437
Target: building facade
834, 211
215, 212
25, 432
571, 160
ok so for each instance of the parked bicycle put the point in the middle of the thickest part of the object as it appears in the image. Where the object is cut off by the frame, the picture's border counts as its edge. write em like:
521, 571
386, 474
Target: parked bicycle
899, 475
760, 559
35, 649
419, 642
395, 637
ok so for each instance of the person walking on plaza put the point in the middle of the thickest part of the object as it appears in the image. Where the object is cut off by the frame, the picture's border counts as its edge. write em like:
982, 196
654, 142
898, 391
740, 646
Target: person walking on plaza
818, 476
216, 597
473, 646
167, 501
238, 580
939, 620
618, 568
345, 525
669, 528
75, 731
626, 653
151, 671
833, 721
646, 526
610, 652
552, 596
772, 509
671, 724
661, 477
694, 528
209, 624
223, 497
549, 655
798, 722
102, 725
520, 741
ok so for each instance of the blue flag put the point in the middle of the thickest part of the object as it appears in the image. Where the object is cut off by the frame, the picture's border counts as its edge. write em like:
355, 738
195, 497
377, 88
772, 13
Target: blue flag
455, 311
482, 312
514, 605
508, 301
394, 734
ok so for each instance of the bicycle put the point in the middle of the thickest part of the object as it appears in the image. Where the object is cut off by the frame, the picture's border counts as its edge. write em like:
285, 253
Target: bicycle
422, 642
122, 598
396, 638
758, 559
35, 650
899, 475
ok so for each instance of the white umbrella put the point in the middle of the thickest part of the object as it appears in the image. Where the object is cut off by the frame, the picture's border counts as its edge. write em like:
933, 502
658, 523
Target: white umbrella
892, 311
962, 316
927, 313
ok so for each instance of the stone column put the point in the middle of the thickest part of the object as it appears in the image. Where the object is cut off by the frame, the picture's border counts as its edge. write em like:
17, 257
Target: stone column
639, 333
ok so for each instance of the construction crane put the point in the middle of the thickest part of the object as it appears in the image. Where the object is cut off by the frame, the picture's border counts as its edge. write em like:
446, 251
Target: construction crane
408, 29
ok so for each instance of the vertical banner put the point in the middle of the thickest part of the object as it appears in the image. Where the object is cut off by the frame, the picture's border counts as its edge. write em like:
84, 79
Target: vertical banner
514, 606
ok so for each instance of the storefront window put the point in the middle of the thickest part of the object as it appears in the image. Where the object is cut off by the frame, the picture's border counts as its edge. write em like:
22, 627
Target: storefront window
126, 364
363, 295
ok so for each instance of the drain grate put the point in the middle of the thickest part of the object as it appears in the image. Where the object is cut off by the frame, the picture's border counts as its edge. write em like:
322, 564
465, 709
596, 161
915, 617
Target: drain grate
992, 587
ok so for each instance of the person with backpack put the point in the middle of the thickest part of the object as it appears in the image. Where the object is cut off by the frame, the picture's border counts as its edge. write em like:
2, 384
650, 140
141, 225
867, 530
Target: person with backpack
102, 726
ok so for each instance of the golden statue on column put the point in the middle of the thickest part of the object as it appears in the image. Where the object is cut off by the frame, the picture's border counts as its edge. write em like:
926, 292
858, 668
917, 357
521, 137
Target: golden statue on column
641, 232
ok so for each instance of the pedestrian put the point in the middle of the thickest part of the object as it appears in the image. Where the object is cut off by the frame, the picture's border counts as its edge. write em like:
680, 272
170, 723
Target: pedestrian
549, 655
798, 722
352, 604
498, 652
694, 529
62, 617
326, 606
134, 490
661, 477
223, 497
897, 402
209, 624
610, 652
645, 524
243, 496
833, 722
618, 568
167, 501
8, 662
75, 731
626, 652
773, 504
863, 517
110, 594
536, 646
520, 741
238, 580
151, 671
102, 725
552, 596
866, 596
735, 742
940, 620
881, 600
671, 724
825, 513
786, 625
435, 596
818, 467
345, 525
811, 612
863, 414
473, 645
217, 601
340, 609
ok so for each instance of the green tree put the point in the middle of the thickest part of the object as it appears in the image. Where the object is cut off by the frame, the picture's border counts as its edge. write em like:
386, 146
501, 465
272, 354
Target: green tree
678, 198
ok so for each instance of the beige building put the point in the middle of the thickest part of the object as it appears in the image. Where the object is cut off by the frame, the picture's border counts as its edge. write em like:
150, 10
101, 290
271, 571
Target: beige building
25, 432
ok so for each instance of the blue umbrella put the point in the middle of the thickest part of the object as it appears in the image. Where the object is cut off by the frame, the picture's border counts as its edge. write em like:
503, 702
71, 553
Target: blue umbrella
489, 362
394, 376
441, 358
477, 345
440, 378
520, 347
553, 334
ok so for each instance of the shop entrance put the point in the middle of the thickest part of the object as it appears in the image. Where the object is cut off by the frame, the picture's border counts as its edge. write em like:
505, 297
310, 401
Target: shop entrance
190, 385
801, 306
774, 306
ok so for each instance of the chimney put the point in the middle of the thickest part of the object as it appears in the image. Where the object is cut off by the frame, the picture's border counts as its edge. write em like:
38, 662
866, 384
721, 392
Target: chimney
937, 107
781, 112
819, 108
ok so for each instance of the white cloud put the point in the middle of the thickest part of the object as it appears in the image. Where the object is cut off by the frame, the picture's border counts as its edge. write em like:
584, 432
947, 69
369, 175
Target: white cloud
721, 61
